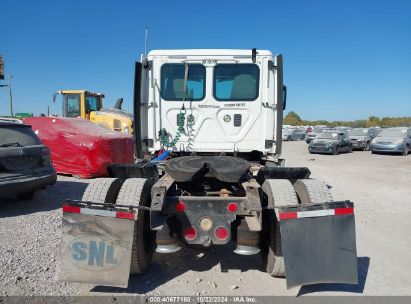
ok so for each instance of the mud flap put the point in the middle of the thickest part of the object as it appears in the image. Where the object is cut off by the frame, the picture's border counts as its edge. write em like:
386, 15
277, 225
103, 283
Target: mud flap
318, 243
96, 246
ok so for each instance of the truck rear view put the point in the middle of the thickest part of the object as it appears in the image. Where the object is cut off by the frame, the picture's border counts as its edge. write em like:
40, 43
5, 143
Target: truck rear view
210, 132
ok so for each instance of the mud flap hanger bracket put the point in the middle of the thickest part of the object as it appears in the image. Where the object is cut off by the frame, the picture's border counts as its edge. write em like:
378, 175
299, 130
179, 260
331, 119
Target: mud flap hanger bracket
158, 195
104, 206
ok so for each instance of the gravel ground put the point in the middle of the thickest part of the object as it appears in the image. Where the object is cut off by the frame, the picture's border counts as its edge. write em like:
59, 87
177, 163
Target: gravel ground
378, 184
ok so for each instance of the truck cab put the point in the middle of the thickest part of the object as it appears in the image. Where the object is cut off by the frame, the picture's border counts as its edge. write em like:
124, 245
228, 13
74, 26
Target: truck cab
230, 100
80, 103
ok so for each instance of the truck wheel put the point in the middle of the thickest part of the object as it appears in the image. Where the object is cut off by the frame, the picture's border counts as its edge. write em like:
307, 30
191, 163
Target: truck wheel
336, 150
102, 190
137, 192
406, 150
281, 193
312, 191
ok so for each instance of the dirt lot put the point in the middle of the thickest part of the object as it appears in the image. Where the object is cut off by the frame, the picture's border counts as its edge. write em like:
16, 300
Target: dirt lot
380, 186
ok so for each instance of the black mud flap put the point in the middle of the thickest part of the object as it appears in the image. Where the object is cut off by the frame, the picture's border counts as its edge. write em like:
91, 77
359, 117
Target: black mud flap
318, 243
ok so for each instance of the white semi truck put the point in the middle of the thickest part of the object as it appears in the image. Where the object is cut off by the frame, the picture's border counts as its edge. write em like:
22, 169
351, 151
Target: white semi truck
208, 129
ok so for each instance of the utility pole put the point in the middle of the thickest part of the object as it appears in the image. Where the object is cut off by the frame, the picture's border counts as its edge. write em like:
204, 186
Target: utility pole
11, 96
2, 71
3, 85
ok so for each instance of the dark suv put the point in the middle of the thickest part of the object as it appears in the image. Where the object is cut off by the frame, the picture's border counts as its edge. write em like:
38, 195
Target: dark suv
331, 142
25, 164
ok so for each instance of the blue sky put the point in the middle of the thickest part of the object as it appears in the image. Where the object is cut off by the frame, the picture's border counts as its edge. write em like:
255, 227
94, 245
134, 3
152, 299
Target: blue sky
343, 59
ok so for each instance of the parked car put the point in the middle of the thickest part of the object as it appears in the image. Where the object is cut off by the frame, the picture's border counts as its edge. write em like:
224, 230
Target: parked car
25, 164
293, 134
361, 137
314, 132
396, 140
343, 128
330, 142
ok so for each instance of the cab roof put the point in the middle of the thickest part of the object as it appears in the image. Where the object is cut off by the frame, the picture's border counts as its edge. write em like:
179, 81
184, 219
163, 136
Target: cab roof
208, 52
79, 92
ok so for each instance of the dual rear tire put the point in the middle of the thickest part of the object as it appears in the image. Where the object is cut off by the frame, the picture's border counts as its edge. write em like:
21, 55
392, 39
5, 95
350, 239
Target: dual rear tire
133, 192
283, 193
137, 192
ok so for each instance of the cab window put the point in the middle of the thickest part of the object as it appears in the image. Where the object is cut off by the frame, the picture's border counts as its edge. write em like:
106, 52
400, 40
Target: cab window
72, 105
236, 82
172, 82
92, 103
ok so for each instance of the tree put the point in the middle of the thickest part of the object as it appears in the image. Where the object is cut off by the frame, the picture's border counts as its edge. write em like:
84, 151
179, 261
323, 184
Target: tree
373, 121
292, 118
360, 123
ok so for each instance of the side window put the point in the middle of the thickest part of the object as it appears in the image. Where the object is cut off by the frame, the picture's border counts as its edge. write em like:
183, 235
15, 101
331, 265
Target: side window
236, 82
72, 105
92, 103
172, 81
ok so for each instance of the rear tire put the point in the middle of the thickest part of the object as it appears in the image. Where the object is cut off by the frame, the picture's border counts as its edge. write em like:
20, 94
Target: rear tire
406, 151
273, 256
367, 146
312, 191
102, 190
282, 193
336, 150
137, 192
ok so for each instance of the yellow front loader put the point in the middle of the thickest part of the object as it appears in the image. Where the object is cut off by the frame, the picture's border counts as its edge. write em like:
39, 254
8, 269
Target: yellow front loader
89, 105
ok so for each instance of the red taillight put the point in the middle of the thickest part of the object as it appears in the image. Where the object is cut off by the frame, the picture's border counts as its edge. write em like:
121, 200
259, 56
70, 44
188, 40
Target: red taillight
71, 209
125, 215
190, 234
221, 233
180, 207
232, 207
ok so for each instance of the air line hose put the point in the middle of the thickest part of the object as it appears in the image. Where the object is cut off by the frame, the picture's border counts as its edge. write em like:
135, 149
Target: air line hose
164, 136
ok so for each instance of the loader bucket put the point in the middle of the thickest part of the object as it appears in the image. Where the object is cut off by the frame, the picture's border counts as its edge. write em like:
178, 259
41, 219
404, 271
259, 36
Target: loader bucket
318, 243
96, 245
